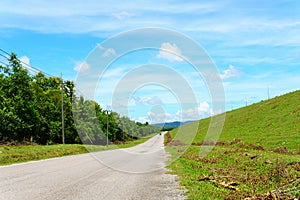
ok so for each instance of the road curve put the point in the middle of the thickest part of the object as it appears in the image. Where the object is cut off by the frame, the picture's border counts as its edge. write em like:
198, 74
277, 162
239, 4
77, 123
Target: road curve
133, 173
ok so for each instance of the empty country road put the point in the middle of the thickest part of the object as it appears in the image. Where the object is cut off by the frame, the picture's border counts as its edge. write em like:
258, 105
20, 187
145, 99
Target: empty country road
133, 173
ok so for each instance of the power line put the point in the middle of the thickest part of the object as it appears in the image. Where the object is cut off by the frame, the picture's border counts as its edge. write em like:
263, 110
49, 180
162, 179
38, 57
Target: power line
27, 66
4, 63
4, 56
4, 51
36, 70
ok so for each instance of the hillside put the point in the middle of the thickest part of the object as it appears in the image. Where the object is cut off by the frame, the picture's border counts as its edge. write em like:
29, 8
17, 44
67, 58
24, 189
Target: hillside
256, 157
271, 123
171, 125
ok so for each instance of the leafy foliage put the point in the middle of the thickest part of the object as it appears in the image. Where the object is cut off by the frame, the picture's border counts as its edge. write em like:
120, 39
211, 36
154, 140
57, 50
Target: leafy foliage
30, 111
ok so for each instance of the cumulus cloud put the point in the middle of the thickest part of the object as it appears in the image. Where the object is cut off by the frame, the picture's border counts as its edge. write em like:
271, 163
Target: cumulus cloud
143, 119
203, 107
201, 111
82, 67
25, 62
109, 52
192, 114
231, 72
160, 117
155, 100
170, 52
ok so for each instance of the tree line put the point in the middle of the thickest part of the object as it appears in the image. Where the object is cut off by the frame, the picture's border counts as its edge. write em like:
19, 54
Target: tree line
31, 111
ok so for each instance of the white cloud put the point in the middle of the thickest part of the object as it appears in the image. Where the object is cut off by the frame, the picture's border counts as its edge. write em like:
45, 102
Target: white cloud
201, 111
25, 62
231, 72
68, 8
82, 67
170, 52
122, 15
109, 52
154, 100
192, 114
142, 119
215, 112
204, 107
160, 117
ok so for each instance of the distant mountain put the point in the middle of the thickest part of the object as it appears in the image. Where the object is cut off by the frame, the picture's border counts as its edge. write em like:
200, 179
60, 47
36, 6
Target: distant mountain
171, 125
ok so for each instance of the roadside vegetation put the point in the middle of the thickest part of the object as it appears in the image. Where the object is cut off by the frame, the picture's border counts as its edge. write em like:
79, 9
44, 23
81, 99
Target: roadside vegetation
31, 112
22, 153
31, 119
256, 157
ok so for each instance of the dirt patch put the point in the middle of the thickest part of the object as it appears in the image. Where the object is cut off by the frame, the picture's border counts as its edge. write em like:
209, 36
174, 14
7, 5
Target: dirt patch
278, 170
119, 142
213, 160
210, 143
295, 165
256, 147
282, 150
252, 146
176, 143
221, 143
235, 141
169, 138
270, 196
218, 182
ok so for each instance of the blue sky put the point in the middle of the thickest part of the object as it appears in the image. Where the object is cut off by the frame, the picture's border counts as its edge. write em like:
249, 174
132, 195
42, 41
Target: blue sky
255, 45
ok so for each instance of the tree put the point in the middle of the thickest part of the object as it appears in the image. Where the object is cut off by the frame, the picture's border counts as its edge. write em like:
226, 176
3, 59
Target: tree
30, 111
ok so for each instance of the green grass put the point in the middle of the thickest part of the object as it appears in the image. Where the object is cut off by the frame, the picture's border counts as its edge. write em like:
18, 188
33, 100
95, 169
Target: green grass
135, 142
17, 154
251, 163
270, 123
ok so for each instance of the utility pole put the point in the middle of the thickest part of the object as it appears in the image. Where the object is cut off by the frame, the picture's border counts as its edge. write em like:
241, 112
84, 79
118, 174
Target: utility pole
107, 112
123, 131
62, 111
106, 127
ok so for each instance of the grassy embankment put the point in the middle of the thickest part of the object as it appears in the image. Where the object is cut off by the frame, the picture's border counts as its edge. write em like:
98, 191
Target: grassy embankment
23, 153
256, 157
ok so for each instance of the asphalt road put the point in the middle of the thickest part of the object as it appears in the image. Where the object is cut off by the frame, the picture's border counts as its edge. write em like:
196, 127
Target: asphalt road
134, 173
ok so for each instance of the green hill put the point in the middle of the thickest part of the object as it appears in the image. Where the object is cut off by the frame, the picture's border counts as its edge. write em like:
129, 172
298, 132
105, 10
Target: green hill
271, 124
256, 156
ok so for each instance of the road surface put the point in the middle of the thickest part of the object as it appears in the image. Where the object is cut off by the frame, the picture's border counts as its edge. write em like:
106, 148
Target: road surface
134, 173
